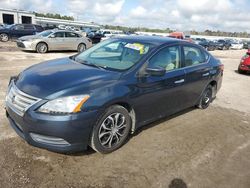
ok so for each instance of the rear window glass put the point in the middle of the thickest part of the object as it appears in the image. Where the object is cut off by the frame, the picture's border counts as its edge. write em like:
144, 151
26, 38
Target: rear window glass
59, 34
28, 27
193, 56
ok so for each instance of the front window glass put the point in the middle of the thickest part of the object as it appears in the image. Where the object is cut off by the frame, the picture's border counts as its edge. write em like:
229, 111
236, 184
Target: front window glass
167, 58
45, 33
114, 54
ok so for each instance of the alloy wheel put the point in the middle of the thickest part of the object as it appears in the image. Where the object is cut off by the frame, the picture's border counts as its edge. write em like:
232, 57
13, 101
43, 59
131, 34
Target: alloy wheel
4, 37
112, 130
207, 98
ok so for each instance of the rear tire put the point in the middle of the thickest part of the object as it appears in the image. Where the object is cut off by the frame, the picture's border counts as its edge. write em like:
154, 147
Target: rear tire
111, 130
206, 98
4, 37
81, 47
42, 48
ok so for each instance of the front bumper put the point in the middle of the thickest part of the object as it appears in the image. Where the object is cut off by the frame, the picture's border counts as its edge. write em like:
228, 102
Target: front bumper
67, 133
25, 45
244, 67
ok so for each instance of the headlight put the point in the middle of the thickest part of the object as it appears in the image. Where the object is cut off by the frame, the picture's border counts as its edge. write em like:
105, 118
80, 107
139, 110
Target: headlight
71, 104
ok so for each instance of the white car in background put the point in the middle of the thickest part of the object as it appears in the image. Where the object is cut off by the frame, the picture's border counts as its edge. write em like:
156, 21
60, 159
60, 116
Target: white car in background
237, 45
52, 40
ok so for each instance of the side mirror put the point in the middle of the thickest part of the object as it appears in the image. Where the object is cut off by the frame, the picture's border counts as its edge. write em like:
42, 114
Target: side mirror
157, 71
52, 36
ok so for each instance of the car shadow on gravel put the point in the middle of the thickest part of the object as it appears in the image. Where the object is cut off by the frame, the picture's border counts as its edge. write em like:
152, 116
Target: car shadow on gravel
246, 74
177, 183
163, 119
90, 151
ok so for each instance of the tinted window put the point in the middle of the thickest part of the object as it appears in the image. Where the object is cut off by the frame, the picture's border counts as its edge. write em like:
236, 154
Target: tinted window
167, 58
28, 27
193, 56
71, 35
19, 27
59, 35
39, 28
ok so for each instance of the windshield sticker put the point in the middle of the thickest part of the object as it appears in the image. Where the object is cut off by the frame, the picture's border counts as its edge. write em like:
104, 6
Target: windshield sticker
136, 46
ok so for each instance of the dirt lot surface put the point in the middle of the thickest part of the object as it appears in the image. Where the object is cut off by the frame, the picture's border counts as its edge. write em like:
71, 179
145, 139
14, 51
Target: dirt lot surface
195, 148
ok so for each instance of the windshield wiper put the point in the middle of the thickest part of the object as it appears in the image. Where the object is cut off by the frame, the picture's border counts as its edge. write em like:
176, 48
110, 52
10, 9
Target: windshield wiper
90, 64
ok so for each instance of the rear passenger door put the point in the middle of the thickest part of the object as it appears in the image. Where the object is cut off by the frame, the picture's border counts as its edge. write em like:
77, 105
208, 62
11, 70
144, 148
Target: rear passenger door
197, 70
29, 29
71, 40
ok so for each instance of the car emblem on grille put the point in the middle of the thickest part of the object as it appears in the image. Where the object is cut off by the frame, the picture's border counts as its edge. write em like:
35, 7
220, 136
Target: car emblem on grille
13, 99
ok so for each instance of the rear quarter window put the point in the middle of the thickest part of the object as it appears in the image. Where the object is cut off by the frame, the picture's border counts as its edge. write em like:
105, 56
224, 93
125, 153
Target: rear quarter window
194, 56
28, 27
39, 28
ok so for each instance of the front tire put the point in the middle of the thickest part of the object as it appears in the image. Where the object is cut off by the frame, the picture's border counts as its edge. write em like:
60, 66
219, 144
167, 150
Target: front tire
42, 48
4, 37
206, 98
240, 71
111, 130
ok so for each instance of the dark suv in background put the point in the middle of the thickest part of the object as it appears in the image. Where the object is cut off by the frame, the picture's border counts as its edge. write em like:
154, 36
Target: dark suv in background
223, 44
18, 30
207, 44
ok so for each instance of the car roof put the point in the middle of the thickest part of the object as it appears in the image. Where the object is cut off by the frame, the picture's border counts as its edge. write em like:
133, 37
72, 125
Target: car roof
60, 30
155, 40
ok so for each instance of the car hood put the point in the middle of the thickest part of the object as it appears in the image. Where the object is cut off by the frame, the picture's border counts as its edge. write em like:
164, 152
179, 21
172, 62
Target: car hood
30, 37
62, 77
4, 30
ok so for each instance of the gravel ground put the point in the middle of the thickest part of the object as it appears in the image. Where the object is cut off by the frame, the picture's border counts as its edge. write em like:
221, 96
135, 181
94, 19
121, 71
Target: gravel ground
195, 148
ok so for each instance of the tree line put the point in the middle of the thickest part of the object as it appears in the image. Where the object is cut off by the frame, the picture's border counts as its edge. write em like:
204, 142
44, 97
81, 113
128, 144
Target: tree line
55, 16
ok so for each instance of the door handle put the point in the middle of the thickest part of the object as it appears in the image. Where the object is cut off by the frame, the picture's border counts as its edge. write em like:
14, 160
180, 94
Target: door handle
179, 81
205, 74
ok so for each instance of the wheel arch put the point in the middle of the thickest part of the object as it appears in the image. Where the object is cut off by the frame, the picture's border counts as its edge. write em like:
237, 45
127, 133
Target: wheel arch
84, 43
131, 111
213, 83
43, 43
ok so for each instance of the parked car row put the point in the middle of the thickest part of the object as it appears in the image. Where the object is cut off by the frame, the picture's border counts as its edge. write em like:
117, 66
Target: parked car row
222, 44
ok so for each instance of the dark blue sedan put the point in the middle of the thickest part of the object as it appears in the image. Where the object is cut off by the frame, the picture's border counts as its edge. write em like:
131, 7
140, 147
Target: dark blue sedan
100, 96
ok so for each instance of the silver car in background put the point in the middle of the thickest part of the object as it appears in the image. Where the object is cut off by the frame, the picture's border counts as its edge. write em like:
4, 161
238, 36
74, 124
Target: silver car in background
54, 40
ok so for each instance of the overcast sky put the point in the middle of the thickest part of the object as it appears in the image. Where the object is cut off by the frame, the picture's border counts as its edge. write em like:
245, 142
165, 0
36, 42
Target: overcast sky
227, 15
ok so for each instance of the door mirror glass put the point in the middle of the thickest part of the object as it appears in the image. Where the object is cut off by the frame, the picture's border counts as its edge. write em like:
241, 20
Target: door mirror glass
52, 36
157, 71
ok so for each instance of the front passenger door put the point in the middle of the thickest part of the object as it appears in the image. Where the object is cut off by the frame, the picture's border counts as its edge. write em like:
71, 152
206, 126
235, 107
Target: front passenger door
56, 41
161, 95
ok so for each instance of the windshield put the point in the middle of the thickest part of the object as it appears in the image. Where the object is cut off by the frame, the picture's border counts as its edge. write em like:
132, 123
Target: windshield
45, 33
8, 26
116, 54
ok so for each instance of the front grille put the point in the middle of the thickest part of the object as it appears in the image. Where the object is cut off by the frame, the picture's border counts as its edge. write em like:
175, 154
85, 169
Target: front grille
19, 101
20, 44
